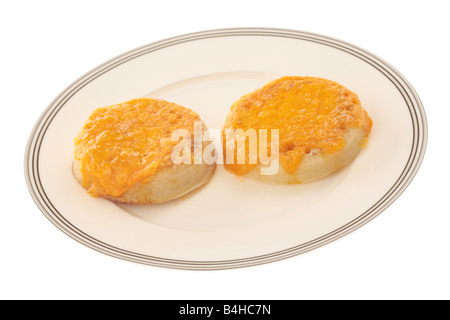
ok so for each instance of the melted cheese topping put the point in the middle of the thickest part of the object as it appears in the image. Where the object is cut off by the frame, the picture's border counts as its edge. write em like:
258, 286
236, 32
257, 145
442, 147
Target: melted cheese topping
127, 143
311, 114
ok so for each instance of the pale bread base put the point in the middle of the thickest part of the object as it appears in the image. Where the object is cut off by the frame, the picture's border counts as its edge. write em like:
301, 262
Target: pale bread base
167, 184
316, 166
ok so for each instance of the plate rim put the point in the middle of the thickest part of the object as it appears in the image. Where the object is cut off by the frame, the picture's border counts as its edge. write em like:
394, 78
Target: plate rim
418, 148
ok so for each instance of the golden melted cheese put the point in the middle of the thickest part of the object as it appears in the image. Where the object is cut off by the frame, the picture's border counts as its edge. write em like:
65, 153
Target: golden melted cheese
310, 114
127, 143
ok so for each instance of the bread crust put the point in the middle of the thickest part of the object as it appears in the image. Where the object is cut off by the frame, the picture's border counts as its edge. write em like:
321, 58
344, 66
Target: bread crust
167, 184
316, 165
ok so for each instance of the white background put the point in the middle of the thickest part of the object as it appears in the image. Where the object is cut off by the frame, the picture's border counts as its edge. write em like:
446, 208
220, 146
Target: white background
402, 254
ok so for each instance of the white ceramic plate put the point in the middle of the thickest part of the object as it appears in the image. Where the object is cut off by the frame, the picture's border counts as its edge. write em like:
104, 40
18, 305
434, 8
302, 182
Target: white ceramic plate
231, 222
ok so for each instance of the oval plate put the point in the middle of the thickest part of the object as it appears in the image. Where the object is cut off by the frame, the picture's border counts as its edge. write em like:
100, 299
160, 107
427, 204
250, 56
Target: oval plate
231, 222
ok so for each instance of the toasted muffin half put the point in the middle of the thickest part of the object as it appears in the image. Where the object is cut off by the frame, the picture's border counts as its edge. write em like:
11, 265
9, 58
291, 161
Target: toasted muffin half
321, 126
124, 153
